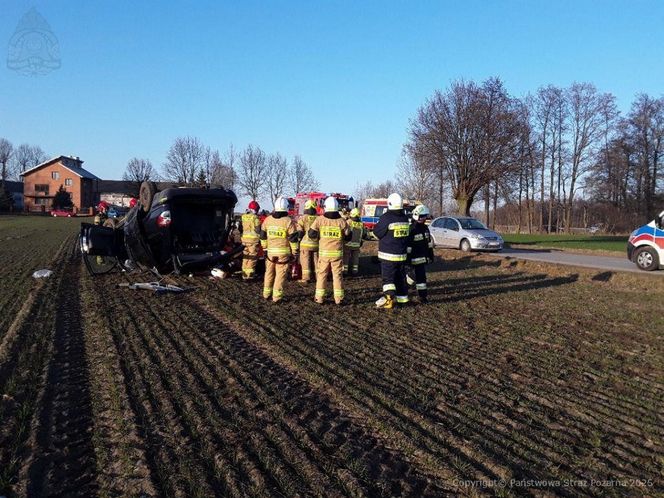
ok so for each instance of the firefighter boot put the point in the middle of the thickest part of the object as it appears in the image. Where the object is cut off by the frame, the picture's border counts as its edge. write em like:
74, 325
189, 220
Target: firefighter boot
385, 302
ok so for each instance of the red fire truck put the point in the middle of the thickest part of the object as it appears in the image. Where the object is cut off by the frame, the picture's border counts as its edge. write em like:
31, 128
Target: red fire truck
345, 201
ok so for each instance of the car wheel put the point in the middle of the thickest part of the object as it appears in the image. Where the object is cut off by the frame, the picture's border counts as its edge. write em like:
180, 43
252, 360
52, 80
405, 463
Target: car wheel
146, 194
646, 258
465, 245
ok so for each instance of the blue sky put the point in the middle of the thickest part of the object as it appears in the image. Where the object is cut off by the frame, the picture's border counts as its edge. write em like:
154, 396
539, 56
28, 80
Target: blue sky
335, 82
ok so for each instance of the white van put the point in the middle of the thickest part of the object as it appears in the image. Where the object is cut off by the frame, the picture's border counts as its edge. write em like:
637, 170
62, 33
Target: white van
646, 245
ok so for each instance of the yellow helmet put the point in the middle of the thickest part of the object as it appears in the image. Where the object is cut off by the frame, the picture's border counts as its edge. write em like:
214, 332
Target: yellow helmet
310, 204
354, 213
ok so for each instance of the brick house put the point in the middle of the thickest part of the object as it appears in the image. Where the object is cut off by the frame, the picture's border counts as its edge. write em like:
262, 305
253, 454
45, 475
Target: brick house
42, 182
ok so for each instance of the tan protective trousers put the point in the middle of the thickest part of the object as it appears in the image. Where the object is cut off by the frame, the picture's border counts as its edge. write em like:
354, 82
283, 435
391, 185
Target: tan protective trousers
351, 260
275, 276
249, 259
325, 266
309, 262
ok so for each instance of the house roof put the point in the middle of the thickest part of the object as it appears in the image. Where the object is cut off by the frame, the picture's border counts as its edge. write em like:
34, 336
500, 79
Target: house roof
73, 164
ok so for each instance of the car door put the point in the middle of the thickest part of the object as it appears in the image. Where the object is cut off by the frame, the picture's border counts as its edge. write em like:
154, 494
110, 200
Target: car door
452, 233
436, 230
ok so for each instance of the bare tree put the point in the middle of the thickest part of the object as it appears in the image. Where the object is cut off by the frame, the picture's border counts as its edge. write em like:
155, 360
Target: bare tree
587, 107
6, 150
221, 172
139, 171
472, 132
277, 175
300, 177
252, 169
27, 156
415, 179
184, 160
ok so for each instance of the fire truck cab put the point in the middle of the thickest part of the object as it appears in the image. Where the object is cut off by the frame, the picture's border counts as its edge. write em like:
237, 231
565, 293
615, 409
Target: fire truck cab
345, 201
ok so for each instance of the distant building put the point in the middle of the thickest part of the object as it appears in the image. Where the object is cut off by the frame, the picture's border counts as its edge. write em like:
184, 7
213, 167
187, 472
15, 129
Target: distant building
16, 190
42, 182
120, 192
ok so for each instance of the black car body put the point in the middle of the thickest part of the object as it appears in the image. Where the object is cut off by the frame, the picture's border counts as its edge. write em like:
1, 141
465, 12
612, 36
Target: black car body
183, 229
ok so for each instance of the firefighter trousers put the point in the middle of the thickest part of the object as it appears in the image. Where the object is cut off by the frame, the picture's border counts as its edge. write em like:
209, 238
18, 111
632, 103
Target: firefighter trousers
352, 260
309, 262
249, 259
276, 270
325, 266
420, 279
394, 280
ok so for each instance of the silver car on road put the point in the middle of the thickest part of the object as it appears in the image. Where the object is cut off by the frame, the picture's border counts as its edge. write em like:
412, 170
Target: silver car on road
464, 233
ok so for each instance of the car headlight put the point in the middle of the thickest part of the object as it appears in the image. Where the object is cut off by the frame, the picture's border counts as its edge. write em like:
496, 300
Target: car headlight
476, 236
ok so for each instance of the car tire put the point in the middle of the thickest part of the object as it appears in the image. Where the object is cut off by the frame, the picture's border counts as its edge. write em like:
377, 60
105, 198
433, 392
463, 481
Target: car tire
646, 259
465, 245
146, 194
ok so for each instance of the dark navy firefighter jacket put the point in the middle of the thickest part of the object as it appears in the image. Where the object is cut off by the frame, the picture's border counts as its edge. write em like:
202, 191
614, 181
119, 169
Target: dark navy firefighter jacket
420, 250
393, 230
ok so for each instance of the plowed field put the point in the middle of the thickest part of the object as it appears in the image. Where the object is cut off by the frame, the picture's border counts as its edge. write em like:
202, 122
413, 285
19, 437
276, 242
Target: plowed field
517, 379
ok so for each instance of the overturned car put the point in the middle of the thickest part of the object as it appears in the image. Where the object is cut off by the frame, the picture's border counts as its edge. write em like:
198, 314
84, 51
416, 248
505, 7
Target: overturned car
176, 230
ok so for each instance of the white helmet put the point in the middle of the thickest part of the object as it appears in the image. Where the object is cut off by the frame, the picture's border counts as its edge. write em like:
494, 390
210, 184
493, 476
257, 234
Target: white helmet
420, 211
394, 201
331, 205
281, 204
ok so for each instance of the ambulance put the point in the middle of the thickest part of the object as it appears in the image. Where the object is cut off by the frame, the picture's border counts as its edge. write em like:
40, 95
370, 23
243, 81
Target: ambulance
372, 209
646, 245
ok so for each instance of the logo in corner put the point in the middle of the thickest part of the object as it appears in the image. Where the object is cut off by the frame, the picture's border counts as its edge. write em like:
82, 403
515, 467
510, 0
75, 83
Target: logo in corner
33, 48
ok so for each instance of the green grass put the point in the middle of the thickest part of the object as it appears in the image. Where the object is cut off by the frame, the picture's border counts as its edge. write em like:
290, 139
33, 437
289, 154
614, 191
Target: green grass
616, 243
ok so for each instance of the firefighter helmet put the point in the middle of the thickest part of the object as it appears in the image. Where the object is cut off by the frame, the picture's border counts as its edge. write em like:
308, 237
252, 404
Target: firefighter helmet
310, 204
102, 207
354, 213
132, 202
281, 205
331, 205
421, 212
253, 206
394, 201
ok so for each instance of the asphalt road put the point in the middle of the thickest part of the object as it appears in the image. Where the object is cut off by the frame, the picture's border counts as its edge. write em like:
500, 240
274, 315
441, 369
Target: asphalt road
608, 263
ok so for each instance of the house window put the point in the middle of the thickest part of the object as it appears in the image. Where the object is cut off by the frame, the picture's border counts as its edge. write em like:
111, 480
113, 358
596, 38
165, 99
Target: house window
41, 201
55, 175
41, 189
68, 182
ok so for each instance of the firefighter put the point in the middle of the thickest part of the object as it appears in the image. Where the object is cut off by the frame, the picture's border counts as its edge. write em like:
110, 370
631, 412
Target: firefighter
279, 239
308, 247
352, 247
392, 231
331, 230
420, 250
250, 227
102, 213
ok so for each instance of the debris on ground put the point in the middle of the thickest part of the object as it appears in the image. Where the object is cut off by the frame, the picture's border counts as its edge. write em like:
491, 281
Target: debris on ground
157, 287
42, 273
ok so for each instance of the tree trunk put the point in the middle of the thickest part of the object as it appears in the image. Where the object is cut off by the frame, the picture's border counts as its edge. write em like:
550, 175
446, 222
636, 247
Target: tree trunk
495, 206
487, 202
464, 201
518, 229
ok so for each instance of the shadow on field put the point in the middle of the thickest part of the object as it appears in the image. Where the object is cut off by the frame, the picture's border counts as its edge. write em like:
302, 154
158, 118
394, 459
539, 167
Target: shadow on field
370, 265
468, 288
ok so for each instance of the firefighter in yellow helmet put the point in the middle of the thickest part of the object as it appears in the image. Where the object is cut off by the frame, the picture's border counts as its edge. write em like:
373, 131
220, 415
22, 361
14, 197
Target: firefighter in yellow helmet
250, 227
331, 230
352, 247
279, 239
308, 247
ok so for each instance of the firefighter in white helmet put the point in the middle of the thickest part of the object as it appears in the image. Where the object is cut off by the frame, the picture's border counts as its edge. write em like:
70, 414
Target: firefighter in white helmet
308, 247
420, 250
352, 247
331, 231
280, 241
393, 232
